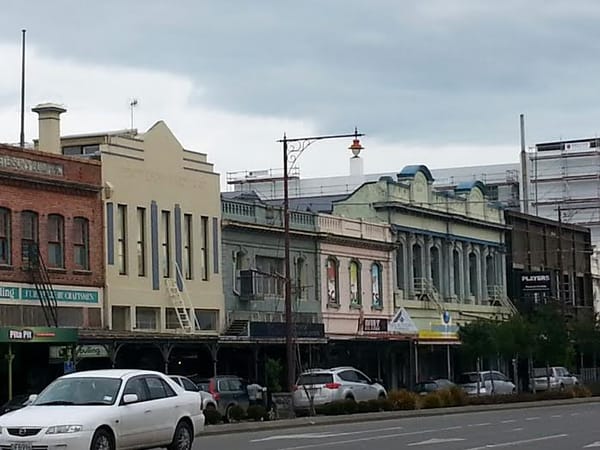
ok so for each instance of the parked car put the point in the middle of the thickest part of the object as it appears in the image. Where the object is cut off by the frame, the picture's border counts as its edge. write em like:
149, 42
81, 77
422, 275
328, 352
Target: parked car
425, 387
559, 378
228, 391
17, 402
207, 400
329, 385
491, 382
106, 410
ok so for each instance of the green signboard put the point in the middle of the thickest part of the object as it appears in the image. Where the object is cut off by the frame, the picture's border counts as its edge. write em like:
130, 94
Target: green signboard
62, 295
36, 335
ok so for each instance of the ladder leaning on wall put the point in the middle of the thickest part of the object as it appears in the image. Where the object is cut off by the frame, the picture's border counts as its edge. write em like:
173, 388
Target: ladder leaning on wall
182, 303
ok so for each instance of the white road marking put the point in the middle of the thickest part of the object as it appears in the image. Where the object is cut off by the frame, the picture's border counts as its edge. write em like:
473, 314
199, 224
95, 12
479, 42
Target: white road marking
575, 414
323, 435
515, 443
532, 418
509, 421
485, 424
593, 444
370, 438
556, 416
435, 441
517, 429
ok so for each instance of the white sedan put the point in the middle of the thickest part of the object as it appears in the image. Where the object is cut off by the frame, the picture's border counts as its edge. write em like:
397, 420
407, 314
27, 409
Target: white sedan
106, 410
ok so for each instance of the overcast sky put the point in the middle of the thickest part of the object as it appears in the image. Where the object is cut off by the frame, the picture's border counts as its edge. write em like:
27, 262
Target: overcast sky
438, 82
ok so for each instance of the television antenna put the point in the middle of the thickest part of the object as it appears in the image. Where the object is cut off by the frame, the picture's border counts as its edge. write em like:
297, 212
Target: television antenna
132, 104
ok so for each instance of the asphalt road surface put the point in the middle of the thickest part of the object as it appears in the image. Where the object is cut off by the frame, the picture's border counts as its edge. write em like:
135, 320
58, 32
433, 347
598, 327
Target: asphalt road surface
568, 427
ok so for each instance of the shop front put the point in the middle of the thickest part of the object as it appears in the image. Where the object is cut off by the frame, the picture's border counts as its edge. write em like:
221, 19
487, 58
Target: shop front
26, 351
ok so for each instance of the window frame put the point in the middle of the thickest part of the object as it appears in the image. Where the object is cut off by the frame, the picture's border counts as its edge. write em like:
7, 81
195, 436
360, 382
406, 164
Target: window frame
356, 303
141, 241
332, 268
188, 246
165, 243
122, 239
376, 285
82, 245
58, 240
28, 242
6, 237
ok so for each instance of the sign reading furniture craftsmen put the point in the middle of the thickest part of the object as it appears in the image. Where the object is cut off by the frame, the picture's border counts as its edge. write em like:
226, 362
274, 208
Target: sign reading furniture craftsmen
36, 335
30, 165
29, 293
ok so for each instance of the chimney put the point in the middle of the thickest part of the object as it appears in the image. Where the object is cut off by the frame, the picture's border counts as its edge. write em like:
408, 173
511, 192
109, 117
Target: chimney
49, 127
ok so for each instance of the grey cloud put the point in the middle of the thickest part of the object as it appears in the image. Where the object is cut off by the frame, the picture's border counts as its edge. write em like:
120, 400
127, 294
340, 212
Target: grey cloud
429, 70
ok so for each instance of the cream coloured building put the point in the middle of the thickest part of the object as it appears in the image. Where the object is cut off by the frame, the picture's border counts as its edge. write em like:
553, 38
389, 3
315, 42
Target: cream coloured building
162, 229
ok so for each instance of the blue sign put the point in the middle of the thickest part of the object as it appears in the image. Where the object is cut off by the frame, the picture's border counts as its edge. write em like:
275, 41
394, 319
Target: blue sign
446, 317
69, 367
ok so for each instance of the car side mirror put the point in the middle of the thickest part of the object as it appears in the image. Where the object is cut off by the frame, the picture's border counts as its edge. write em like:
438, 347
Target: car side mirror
130, 398
32, 398
377, 381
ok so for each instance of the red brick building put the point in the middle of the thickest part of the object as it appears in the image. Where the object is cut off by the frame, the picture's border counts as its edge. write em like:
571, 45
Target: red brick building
51, 206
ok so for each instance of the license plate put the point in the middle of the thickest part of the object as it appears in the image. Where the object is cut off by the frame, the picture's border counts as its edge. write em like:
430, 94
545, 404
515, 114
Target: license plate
21, 446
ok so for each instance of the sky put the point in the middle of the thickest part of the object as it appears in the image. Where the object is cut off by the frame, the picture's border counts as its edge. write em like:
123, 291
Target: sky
435, 82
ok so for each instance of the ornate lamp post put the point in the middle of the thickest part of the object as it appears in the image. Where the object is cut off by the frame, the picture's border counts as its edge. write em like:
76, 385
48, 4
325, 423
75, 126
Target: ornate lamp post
292, 150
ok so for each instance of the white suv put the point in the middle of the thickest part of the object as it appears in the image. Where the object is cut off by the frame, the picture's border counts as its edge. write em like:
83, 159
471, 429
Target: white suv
329, 385
559, 378
490, 382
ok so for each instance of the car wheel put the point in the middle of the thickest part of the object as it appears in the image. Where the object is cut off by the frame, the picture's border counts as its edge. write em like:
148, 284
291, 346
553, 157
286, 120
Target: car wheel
210, 407
561, 387
349, 397
102, 440
227, 416
381, 396
183, 437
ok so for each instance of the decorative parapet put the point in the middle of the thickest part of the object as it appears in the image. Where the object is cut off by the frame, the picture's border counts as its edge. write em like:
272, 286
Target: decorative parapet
260, 214
356, 228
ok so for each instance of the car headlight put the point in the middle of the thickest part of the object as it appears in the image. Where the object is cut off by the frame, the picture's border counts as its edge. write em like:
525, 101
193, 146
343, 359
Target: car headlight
63, 429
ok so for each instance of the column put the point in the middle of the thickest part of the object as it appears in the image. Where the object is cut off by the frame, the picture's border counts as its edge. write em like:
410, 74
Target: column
484, 280
478, 285
466, 280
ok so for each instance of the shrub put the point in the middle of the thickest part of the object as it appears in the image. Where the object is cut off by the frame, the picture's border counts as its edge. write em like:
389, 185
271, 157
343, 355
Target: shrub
458, 396
384, 404
350, 406
257, 413
581, 391
212, 417
431, 400
366, 407
236, 413
446, 398
403, 399
333, 409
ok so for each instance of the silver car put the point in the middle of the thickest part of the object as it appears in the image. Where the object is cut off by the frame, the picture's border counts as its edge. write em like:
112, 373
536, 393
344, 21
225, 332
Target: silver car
207, 400
329, 385
554, 378
490, 382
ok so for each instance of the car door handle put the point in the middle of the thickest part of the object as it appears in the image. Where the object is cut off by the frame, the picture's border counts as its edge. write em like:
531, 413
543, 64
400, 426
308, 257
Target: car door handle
148, 411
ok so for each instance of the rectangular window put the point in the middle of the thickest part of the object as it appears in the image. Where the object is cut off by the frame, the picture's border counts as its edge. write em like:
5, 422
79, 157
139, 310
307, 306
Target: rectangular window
122, 238
4, 236
121, 318
141, 241
29, 236
81, 241
269, 285
208, 320
187, 246
56, 233
215, 242
146, 318
165, 242
171, 320
204, 247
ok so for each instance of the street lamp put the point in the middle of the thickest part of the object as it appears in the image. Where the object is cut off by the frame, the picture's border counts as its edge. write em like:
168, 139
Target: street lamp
292, 150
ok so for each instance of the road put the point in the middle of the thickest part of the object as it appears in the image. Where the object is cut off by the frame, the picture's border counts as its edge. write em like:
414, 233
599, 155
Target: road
567, 427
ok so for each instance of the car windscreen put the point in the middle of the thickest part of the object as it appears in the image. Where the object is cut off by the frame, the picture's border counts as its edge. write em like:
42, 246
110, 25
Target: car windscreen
539, 372
467, 378
80, 391
315, 378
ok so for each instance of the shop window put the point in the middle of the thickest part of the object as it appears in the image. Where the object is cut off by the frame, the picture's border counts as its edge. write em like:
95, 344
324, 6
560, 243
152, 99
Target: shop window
208, 320
121, 318
56, 233
331, 266
146, 318
355, 284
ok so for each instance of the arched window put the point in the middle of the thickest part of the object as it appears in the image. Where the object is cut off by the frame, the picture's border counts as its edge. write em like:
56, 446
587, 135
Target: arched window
417, 262
490, 274
5, 249
434, 257
400, 266
473, 274
376, 286
355, 283
333, 297
29, 236
81, 243
56, 241
456, 272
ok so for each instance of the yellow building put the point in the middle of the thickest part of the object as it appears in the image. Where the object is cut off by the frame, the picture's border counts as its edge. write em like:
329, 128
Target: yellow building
162, 229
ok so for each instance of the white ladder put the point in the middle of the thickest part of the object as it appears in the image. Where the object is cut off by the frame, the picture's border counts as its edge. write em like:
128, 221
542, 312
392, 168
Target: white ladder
182, 303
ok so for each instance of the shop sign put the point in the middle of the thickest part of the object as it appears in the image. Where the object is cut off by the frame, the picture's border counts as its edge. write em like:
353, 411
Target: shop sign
38, 335
536, 282
30, 165
278, 330
402, 323
82, 351
374, 325
62, 295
